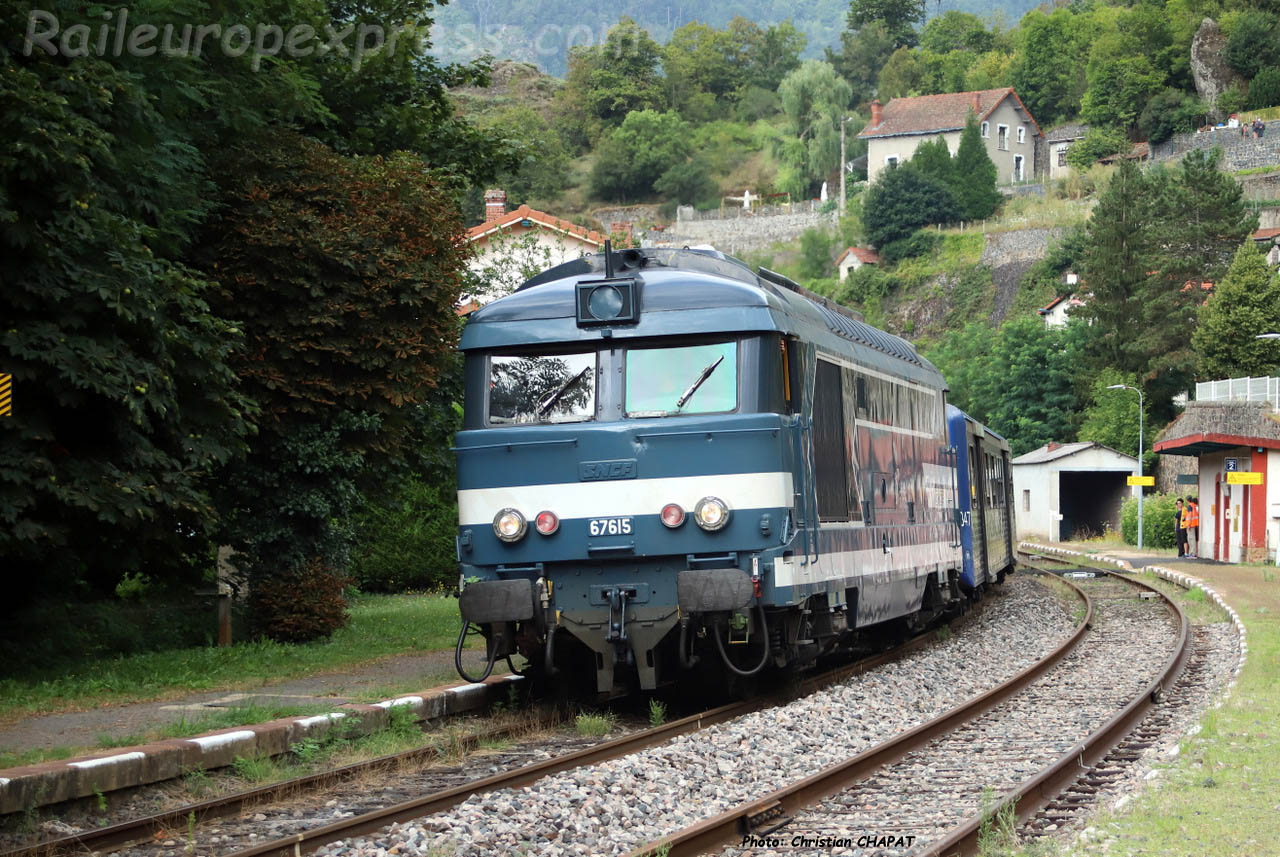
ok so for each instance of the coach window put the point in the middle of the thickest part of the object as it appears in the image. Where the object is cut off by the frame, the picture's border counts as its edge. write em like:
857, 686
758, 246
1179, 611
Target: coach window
690, 379
541, 388
830, 454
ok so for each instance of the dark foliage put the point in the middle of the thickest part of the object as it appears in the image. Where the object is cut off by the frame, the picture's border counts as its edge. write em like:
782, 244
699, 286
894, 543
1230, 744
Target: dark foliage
902, 200
304, 603
919, 243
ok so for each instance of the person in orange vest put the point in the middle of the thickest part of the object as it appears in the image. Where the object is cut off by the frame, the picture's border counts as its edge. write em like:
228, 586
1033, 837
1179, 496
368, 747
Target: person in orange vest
1180, 525
1193, 527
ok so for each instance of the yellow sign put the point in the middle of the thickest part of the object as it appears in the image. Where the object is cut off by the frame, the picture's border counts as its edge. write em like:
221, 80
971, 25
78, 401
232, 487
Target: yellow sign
1149, 481
6, 395
1243, 478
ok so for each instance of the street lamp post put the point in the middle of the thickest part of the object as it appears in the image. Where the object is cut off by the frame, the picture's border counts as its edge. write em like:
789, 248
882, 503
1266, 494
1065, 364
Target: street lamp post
1141, 444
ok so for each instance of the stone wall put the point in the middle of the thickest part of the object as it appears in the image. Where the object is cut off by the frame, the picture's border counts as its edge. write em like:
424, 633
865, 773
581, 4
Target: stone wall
1009, 255
740, 234
638, 215
1238, 153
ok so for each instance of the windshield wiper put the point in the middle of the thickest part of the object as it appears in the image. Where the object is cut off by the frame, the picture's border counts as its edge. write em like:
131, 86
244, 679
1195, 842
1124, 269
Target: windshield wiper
693, 388
550, 401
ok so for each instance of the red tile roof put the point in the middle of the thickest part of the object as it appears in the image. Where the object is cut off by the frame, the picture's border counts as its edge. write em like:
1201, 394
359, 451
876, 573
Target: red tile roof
1266, 234
863, 255
931, 114
541, 218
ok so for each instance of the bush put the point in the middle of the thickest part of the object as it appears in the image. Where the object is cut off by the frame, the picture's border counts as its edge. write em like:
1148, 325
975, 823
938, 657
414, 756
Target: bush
405, 540
1232, 100
1264, 90
1157, 521
304, 603
865, 284
901, 201
1170, 112
920, 243
1097, 143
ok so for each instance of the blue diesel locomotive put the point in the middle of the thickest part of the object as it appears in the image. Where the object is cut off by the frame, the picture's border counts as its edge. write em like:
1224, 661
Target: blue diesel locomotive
668, 459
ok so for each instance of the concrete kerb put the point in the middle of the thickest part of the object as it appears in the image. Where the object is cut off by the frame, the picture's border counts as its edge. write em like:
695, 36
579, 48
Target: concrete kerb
1186, 581
53, 782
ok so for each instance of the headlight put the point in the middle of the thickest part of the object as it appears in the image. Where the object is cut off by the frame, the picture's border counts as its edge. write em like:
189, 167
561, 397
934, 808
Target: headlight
509, 525
546, 522
672, 515
711, 514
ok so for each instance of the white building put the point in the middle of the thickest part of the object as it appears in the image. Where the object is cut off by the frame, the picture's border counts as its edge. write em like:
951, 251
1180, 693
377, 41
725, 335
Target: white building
1007, 129
512, 246
1059, 140
1058, 311
1065, 489
854, 258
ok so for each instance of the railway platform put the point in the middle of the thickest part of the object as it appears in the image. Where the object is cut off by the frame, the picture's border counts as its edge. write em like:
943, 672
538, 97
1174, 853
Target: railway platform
103, 770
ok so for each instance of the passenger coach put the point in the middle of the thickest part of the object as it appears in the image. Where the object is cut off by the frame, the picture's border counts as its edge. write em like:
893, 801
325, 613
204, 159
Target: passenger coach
667, 459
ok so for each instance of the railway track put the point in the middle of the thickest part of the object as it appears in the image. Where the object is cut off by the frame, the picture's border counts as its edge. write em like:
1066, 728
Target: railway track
989, 764
177, 828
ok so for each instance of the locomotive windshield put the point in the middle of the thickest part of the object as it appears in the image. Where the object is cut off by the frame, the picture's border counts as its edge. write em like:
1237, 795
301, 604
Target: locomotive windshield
691, 379
558, 388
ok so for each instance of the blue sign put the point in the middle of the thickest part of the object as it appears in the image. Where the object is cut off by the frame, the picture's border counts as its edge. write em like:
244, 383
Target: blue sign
1232, 465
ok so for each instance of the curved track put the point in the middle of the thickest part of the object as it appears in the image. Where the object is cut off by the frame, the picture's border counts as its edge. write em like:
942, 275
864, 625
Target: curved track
893, 769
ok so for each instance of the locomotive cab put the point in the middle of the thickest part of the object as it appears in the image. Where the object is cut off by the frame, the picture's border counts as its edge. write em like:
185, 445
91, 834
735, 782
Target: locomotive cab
668, 459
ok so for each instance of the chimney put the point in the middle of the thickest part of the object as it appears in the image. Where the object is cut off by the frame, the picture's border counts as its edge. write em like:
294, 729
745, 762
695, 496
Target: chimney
1052, 445
977, 111
875, 113
495, 204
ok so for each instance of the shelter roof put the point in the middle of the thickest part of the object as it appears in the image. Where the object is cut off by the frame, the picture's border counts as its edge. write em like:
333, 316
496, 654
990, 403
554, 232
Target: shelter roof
1206, 427
1053, 451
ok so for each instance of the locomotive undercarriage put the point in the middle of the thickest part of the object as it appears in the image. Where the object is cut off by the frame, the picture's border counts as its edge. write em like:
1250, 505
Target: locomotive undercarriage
629, 645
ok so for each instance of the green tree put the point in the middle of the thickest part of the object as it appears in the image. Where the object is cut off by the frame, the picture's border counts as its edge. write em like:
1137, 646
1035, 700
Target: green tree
973, 176
1097, 143
1245, 302
607, 82
954, 30
816, 258
1115, 263
963, 356
633, 157
1264, 90
899, 17
1121, 81
764, 56
1254, 43
902, 200
904, 74
814, 99
863, 53
1030, 388
1170, 112
1050, 87
933, 159
1111, 417
688, 183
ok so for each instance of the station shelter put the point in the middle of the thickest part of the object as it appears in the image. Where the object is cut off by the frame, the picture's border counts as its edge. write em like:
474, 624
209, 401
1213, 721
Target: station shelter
1237, 445
1064, 490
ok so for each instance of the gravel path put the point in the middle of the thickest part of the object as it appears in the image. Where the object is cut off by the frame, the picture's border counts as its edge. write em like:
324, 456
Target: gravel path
614, 807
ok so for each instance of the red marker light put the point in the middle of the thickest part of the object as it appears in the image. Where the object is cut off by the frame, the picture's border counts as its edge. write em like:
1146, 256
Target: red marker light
547, 523
672, 515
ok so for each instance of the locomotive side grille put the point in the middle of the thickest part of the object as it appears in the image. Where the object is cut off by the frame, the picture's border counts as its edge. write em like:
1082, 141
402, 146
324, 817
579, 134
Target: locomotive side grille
857, 331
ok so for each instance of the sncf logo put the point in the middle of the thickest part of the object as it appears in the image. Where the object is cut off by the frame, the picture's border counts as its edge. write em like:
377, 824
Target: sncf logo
591, 471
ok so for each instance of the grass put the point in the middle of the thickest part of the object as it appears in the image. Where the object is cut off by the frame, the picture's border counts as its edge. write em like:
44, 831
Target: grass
380, 626
595, 725
1194, 602
657, 712
1218, 796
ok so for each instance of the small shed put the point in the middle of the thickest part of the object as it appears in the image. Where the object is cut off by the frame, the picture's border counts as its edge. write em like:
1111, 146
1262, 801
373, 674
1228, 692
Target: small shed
854, 258
1067, 489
